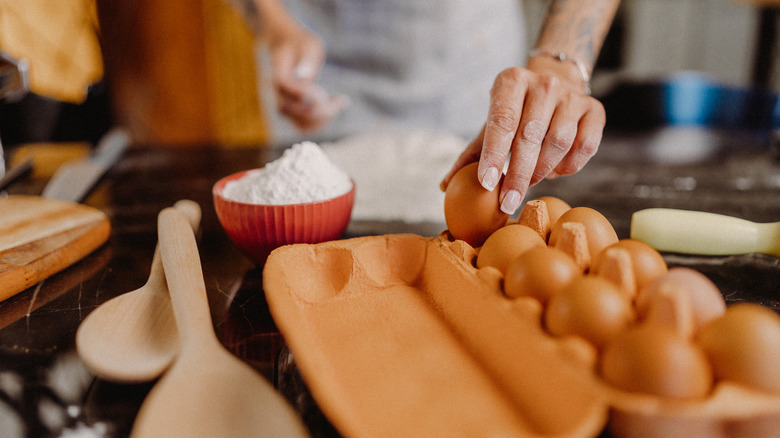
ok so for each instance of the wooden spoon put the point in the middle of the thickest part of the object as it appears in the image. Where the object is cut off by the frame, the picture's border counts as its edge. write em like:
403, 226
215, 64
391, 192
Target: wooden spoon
207, 392
133, 337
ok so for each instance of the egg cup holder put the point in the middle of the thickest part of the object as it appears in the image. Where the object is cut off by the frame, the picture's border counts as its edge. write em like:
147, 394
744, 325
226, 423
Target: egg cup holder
401, 335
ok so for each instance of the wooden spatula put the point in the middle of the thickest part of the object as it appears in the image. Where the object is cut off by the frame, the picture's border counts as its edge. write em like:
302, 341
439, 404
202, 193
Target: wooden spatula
207, 392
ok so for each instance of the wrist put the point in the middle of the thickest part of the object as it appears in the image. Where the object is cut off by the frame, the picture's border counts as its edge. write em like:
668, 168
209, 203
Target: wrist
561, 64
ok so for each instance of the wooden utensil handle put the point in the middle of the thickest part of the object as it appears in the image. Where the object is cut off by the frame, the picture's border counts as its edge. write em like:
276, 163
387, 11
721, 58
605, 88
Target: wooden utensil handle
191, 210
181, 262
697, 232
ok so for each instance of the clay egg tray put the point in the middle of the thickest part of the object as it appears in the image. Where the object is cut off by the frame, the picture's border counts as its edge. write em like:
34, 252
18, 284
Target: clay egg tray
400, 335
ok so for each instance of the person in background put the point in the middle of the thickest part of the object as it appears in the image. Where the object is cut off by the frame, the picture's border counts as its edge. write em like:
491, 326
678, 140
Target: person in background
451, 65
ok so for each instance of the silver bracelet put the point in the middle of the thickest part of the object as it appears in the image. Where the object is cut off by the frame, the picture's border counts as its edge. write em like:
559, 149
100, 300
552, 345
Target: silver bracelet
562, 57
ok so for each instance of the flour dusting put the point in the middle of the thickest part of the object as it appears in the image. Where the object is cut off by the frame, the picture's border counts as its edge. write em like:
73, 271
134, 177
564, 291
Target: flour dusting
397, 172
302, 174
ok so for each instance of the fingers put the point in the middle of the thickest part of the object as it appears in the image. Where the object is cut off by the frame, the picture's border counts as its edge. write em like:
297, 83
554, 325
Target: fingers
558, 142
527, 148
296, 64
585, 145
295, 74
310, 115
308, 67
506, 105
297, 59
546, 128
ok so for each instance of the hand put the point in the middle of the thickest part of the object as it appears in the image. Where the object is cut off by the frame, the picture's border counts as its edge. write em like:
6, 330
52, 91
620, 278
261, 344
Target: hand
296, 59
545, 120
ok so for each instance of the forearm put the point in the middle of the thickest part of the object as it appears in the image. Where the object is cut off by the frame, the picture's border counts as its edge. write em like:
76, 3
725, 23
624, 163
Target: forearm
576, 28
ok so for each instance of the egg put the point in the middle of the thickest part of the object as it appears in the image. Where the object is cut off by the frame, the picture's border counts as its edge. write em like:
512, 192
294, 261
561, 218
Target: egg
647, 264
706, 301
744, 346
653, 360
505, 244
471, 212
598, 230
590, 307
540, 273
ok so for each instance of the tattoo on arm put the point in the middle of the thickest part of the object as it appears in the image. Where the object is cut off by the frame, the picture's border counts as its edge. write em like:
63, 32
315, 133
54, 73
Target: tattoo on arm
577, 27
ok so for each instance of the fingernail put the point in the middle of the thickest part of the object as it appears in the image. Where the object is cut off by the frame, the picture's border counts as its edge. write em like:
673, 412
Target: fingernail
304, 70
511, 202
490, 179
307, 101
314, 95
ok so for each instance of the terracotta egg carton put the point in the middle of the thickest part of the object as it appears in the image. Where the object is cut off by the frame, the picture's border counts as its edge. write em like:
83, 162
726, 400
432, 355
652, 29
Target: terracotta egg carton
731, 410
401, 335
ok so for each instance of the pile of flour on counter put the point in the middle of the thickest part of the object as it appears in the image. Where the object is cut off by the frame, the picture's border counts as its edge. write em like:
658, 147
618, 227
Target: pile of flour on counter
302, 174
397, 173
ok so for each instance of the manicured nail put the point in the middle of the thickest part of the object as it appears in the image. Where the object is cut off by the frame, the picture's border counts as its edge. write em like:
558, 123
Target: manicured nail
511, 202
314, 95
304, 70
490, 179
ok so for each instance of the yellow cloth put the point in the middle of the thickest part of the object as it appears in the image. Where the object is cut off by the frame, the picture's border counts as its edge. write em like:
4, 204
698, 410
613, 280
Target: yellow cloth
59, 40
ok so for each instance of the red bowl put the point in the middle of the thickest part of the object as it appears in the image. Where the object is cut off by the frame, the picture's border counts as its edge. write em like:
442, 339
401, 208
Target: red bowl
258, 229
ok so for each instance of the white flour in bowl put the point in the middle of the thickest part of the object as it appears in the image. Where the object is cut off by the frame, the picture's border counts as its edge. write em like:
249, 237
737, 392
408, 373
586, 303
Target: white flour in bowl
302, 174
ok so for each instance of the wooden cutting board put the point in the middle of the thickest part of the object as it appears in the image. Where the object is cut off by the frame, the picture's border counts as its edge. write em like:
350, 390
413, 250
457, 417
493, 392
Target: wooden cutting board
40, 237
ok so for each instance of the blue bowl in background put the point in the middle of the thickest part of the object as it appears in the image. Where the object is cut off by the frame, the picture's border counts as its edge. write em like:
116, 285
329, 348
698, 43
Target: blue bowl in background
691, 99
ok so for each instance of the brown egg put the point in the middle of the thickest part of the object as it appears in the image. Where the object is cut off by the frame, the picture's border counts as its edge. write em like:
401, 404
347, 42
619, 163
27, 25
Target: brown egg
744, 346
471, 212
599, 232
555, 208
540, 273
654, 360
646, 262
505, 244
590, 307
706, 301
